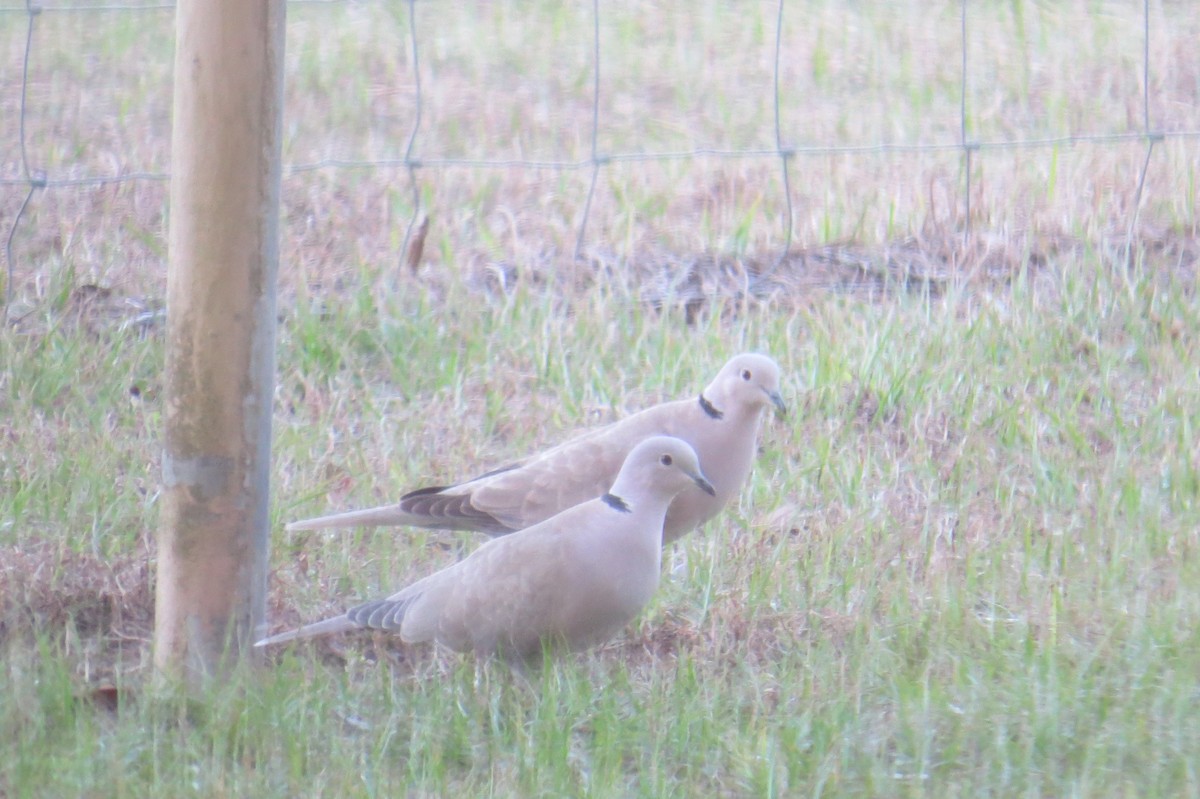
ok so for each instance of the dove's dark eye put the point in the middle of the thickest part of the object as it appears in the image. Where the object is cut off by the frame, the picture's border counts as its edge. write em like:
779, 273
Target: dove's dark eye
665, 460
746, 374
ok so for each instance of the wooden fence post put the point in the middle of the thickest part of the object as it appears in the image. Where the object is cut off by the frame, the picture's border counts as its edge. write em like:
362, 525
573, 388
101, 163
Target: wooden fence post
220, 370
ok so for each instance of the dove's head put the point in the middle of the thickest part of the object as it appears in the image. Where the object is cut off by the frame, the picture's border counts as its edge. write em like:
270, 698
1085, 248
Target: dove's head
664, 464
748, 382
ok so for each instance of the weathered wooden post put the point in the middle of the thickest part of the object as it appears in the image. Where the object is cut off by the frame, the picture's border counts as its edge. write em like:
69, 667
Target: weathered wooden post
220, 371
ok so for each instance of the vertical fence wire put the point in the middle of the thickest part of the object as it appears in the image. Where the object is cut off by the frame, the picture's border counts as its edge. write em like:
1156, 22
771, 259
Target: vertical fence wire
410, 164
1151, 137
967, 146
1146, 65
596, 160
34, 181
785, 153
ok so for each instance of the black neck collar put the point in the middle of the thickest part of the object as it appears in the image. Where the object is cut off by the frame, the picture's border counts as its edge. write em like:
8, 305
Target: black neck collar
615, 502
710, 409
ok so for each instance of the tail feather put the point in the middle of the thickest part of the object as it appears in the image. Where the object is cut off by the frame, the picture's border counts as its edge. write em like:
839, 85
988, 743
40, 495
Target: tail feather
461, 516
383, 516
337, 624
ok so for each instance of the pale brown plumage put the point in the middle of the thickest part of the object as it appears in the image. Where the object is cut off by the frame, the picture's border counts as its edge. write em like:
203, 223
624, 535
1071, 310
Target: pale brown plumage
575, 579
721, 425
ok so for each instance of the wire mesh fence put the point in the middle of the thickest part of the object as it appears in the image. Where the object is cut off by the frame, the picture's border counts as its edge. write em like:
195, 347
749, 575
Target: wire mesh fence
1149, 95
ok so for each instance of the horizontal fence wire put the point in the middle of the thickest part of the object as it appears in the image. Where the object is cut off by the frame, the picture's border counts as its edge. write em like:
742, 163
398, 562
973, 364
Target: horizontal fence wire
33, 180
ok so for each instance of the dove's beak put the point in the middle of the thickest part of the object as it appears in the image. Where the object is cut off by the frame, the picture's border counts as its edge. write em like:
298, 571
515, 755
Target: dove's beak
705, 486
777, 401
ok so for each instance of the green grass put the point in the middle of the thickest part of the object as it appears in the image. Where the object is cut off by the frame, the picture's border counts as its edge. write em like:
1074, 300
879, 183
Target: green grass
965, 565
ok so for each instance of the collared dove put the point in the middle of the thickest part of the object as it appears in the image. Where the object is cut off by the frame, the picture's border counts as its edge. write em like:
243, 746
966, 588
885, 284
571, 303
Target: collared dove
721, 425
576, 578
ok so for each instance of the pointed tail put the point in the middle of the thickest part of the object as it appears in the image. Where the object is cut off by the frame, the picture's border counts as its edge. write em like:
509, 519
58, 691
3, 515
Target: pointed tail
383, 516
337, 624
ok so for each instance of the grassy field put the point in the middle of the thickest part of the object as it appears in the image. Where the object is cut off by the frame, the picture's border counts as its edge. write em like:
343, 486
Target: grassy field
967, 563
